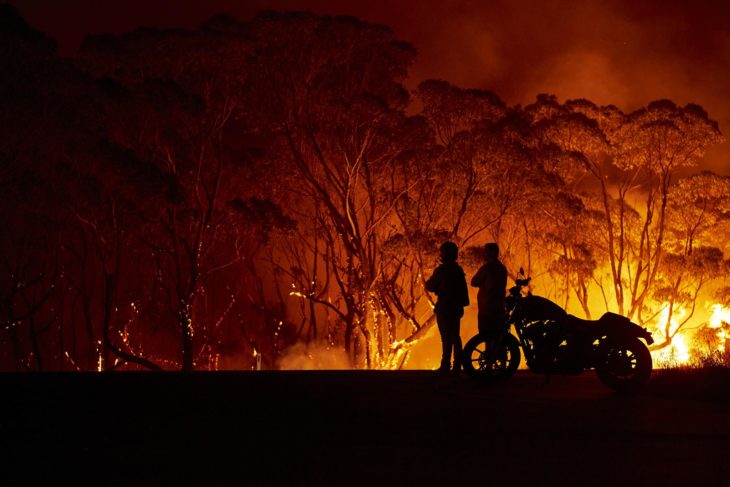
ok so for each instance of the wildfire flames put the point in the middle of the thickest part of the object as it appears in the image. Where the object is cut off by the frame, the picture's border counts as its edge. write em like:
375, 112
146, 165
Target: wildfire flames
692, 345
720, 321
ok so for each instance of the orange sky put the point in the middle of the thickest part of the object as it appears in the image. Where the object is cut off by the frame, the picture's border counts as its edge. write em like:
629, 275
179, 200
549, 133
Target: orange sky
622, 52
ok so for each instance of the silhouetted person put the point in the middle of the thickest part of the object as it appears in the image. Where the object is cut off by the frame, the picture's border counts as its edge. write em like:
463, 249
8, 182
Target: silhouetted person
491, 279
449, 284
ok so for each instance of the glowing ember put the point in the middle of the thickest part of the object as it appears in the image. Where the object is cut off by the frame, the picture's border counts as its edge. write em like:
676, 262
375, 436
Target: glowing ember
100, 357
257, 356
71, 360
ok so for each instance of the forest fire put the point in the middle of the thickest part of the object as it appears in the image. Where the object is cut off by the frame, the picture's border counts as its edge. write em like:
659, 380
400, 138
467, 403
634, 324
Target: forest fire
193, 206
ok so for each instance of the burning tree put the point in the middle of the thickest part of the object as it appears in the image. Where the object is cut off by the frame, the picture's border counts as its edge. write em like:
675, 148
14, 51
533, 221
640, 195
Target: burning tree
626, 158
696, 208
654, 143
336, 111
185, 88
575, 148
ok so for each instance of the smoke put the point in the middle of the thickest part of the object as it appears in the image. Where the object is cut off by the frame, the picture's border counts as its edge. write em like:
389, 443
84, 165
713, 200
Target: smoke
314, 356
625, 53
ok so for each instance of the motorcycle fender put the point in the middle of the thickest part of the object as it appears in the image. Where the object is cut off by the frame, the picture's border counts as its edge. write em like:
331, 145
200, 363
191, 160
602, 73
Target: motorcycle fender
620, 327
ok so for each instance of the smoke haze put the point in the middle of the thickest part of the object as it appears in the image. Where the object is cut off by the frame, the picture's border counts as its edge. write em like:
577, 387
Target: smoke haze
313, 356
625, 53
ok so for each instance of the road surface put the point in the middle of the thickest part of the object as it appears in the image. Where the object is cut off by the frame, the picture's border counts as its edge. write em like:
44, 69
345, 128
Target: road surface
362, 428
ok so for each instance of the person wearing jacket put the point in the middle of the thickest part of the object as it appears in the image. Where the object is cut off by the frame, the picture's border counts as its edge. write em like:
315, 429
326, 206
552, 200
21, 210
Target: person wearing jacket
449, 284
491, 279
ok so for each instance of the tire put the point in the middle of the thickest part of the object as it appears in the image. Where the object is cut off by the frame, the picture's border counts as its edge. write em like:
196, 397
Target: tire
624, 365
504, 361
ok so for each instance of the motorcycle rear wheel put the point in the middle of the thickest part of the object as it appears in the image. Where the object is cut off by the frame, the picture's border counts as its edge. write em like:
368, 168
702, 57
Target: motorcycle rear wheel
625, 365
482, 360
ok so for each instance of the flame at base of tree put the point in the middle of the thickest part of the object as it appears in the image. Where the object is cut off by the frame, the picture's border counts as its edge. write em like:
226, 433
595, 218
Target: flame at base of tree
676, 352
698, 345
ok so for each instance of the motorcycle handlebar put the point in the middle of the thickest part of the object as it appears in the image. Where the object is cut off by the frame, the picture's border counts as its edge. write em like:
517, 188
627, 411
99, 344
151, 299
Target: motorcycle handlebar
522, 282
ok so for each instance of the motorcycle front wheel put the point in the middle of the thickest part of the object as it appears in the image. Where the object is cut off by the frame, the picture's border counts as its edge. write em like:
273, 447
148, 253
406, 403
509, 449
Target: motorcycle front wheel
491, 357
624, 365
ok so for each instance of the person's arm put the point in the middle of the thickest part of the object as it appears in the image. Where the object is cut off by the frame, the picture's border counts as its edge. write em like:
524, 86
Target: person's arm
464, 292
434, 282
503, 281
489, 282
476, 281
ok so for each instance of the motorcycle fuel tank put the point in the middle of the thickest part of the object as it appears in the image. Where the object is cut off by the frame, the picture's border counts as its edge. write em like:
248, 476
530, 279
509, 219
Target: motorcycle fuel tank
538, 308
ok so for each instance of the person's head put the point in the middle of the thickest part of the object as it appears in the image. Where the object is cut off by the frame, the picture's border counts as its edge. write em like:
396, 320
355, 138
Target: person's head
491, 251
449, 252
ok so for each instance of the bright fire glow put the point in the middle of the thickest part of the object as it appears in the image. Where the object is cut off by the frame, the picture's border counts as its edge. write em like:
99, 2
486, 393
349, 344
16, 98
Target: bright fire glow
675, 354
720, 320
678, 352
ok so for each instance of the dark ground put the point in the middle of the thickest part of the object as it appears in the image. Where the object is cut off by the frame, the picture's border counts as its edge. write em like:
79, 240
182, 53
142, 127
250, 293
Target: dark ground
362, 428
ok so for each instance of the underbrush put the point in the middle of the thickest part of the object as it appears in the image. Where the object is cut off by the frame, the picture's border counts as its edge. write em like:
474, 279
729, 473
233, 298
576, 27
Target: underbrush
706, 360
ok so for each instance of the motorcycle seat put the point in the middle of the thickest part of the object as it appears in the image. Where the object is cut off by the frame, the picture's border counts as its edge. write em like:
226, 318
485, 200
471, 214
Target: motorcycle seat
581, 324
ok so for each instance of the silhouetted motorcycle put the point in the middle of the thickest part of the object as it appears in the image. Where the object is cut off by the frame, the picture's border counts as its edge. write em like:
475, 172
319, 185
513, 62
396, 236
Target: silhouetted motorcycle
555, 342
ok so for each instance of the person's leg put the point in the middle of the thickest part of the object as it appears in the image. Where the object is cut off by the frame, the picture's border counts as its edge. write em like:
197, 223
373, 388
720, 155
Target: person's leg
444, 331
482, 324
456, 329
491, 321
